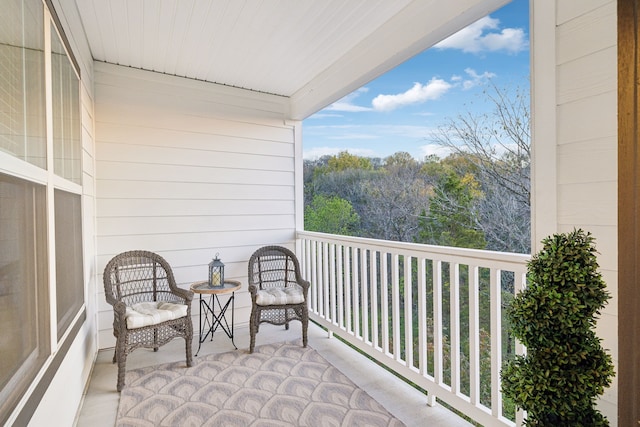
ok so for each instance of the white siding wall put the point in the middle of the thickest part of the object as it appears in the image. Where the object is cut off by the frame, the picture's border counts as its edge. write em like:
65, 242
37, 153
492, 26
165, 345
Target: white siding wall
583, 79
189, 169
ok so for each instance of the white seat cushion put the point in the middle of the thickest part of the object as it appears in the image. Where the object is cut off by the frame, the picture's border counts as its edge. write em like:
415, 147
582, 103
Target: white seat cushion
152, 313
279, 296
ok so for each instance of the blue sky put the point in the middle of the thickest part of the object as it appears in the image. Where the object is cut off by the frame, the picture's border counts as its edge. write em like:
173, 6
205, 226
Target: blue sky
399, 110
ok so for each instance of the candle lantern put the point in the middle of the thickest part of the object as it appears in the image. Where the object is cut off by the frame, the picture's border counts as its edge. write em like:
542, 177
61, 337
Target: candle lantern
216, 273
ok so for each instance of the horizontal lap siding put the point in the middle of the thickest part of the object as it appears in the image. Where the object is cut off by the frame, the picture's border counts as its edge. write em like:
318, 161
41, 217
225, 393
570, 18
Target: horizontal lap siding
188, 169
587, 145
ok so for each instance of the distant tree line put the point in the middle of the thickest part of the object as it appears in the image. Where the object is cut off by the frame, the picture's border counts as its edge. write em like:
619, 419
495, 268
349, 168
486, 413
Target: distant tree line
476, 197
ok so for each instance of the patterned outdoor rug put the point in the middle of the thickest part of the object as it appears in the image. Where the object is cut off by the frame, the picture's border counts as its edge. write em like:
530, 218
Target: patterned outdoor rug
278, 385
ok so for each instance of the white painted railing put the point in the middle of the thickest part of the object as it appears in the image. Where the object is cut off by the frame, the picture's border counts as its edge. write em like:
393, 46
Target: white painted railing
431, 314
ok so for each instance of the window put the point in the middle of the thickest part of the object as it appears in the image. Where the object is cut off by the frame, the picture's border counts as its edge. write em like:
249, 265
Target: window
69, 283
40, 192
22, 99
66, 113
24, 313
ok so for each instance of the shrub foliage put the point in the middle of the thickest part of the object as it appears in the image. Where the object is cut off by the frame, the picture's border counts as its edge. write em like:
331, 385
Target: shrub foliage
565, 367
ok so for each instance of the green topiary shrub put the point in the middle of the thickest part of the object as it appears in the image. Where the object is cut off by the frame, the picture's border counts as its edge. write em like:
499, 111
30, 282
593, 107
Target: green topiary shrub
565, 367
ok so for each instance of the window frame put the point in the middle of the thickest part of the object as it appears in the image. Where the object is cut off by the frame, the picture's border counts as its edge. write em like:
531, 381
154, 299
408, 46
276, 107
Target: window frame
58, 342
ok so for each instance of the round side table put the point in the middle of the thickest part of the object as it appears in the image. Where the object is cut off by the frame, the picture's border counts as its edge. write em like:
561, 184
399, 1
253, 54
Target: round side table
211, 320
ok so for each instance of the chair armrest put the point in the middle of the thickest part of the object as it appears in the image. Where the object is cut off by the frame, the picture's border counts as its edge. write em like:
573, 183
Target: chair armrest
111, 300
253, 291
304, 284
119, 308
185, 294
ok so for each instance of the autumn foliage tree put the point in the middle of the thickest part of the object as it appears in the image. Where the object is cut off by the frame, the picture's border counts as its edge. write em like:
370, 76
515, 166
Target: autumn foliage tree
498, 144
452, 218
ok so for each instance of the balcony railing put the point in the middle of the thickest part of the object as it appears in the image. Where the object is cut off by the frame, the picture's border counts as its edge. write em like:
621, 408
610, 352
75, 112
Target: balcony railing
432, 314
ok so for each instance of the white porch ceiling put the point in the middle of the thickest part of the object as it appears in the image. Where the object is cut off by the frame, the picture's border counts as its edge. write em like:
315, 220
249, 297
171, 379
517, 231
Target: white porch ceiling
311, 51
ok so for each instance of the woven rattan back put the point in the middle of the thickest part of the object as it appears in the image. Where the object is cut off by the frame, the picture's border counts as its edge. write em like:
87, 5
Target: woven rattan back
138, 276
142, 276
273, 266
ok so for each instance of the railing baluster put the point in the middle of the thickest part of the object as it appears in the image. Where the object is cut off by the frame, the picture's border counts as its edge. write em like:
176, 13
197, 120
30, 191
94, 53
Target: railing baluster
454, 325
520, 281
355, 288
314, 276
347, 288
422, 317
325, 281
340, 273
364, 295
518, 285
332, 283
437, 322
408, 312
395, 305
374, 267
384, 292
496, 342
306, 264
474, 335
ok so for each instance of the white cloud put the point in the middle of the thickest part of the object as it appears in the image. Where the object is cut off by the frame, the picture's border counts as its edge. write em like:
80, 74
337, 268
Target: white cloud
346, 107
511, 40
498, 150
475, 78
425, 114
354, 136
366, 132
321, 115
438, 150
484, 35
417, 94
371, 141
404, 131
347, 103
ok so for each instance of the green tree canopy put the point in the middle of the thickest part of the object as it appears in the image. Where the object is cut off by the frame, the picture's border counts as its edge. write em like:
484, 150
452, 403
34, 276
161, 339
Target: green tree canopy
452, 217
331, 214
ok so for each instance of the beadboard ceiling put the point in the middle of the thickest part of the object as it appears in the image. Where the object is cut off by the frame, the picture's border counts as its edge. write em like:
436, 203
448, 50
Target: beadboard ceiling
312, 51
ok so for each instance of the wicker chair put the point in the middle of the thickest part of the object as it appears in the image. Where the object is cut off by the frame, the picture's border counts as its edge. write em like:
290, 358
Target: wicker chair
149, 309
278, 291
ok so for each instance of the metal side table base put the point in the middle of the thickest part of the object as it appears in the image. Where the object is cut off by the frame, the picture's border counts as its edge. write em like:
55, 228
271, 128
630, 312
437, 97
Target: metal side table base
210, 321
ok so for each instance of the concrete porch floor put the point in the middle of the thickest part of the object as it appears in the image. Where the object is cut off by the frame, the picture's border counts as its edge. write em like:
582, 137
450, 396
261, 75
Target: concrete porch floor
406, 403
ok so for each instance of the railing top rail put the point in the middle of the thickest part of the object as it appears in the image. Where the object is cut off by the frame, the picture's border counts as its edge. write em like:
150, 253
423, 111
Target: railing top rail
432, 251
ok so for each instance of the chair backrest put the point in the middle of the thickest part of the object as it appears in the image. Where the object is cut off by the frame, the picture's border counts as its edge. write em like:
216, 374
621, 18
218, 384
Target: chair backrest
274, 266
138, 276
